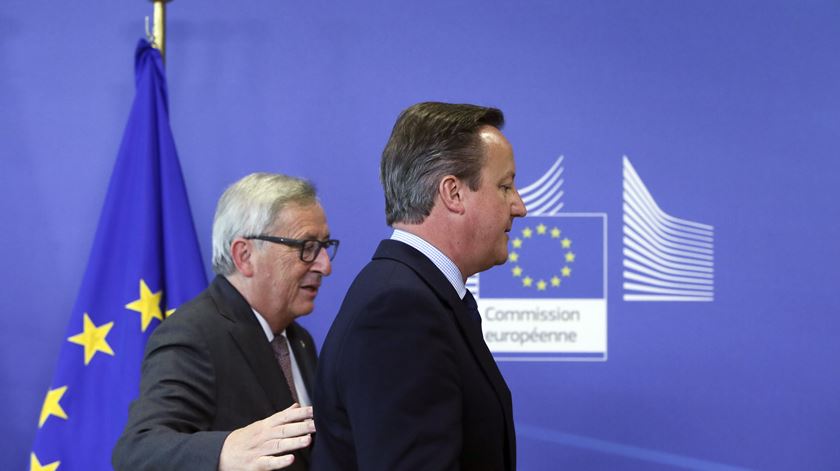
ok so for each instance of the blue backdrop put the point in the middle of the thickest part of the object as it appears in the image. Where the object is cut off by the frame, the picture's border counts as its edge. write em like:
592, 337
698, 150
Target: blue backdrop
728, 111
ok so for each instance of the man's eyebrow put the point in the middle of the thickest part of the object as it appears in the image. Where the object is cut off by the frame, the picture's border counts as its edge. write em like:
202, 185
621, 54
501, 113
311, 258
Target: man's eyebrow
312, 236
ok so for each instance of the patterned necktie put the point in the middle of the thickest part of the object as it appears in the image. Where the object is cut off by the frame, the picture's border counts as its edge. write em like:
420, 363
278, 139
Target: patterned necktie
472, 307
281, 353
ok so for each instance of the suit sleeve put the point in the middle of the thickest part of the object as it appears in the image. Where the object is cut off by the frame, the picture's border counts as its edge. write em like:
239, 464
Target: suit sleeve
166, 424
402, 384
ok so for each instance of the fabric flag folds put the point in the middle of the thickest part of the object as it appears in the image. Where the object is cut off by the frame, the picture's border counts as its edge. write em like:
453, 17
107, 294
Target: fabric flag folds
144, 263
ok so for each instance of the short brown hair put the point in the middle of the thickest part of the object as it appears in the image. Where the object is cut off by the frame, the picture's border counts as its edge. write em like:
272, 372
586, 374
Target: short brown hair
430, 141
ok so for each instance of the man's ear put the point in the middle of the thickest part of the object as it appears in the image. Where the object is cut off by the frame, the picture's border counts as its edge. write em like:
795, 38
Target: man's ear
451, 192
242, 253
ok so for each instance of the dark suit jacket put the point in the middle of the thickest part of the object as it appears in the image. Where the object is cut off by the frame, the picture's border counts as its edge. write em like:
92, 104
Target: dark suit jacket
207, 371
405, 380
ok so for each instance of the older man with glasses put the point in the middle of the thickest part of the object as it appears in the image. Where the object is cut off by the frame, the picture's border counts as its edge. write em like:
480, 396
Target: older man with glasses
227, 379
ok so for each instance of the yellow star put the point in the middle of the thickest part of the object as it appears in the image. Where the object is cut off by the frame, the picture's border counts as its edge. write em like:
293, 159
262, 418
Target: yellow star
541, 229
527, 232
517, 243
93, 338
555, 233
51, 405
148, 305
513, 257
567, 272
35, 465
517, 271
555, 281
169, 312
570, 256
526, 282
566, 243
541, 285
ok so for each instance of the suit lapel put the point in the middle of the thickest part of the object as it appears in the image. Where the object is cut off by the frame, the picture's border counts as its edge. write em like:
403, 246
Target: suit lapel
475, 338
441, 286
250, 338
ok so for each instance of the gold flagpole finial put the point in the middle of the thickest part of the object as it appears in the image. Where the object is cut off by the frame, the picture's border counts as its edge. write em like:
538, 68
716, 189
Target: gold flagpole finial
159, 26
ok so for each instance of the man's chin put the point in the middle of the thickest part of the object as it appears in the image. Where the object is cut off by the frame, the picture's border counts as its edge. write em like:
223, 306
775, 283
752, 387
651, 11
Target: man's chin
303, 310
496, 262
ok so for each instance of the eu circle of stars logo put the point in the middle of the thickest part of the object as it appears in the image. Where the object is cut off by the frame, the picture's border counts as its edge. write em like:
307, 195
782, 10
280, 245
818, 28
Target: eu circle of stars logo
541, 281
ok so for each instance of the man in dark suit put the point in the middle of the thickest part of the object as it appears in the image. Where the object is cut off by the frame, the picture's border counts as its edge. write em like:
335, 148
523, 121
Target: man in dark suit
220, 387
405, 380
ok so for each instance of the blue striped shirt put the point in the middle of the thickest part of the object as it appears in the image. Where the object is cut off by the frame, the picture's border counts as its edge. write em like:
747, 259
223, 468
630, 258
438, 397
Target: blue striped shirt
441, 261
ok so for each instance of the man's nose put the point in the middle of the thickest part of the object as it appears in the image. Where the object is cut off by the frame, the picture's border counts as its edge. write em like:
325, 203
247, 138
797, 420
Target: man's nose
322, 263
518, 209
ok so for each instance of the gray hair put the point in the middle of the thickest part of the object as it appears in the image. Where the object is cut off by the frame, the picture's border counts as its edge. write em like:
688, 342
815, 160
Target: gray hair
430, 141
250, 207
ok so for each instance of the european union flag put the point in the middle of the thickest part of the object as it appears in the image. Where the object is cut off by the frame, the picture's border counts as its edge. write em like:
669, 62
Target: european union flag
558, 257
144, 263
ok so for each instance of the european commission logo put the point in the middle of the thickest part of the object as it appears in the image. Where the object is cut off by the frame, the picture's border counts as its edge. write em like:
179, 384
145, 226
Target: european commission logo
548, 302
559, 256
665, 258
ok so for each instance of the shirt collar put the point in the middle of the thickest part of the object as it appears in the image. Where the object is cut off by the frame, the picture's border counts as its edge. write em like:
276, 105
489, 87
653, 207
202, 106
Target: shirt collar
441, 261
265, 327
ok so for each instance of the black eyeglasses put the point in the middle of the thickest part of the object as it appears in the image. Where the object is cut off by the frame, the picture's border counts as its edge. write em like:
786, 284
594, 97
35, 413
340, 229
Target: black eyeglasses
309, 248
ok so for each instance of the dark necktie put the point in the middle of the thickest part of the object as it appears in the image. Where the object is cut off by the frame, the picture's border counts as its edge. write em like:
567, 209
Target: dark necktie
472, 307
281, 353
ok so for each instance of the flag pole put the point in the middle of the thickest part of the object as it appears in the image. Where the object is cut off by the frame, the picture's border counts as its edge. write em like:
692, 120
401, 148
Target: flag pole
159, 26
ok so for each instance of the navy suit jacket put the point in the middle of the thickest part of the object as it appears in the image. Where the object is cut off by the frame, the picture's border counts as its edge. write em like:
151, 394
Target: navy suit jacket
405, 380
207, 371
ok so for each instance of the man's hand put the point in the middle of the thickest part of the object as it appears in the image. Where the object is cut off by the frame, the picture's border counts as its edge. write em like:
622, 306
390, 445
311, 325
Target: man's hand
254, 447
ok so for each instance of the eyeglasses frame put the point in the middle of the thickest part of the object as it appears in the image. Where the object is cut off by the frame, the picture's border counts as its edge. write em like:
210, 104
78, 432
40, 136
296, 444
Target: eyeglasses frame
301, 243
